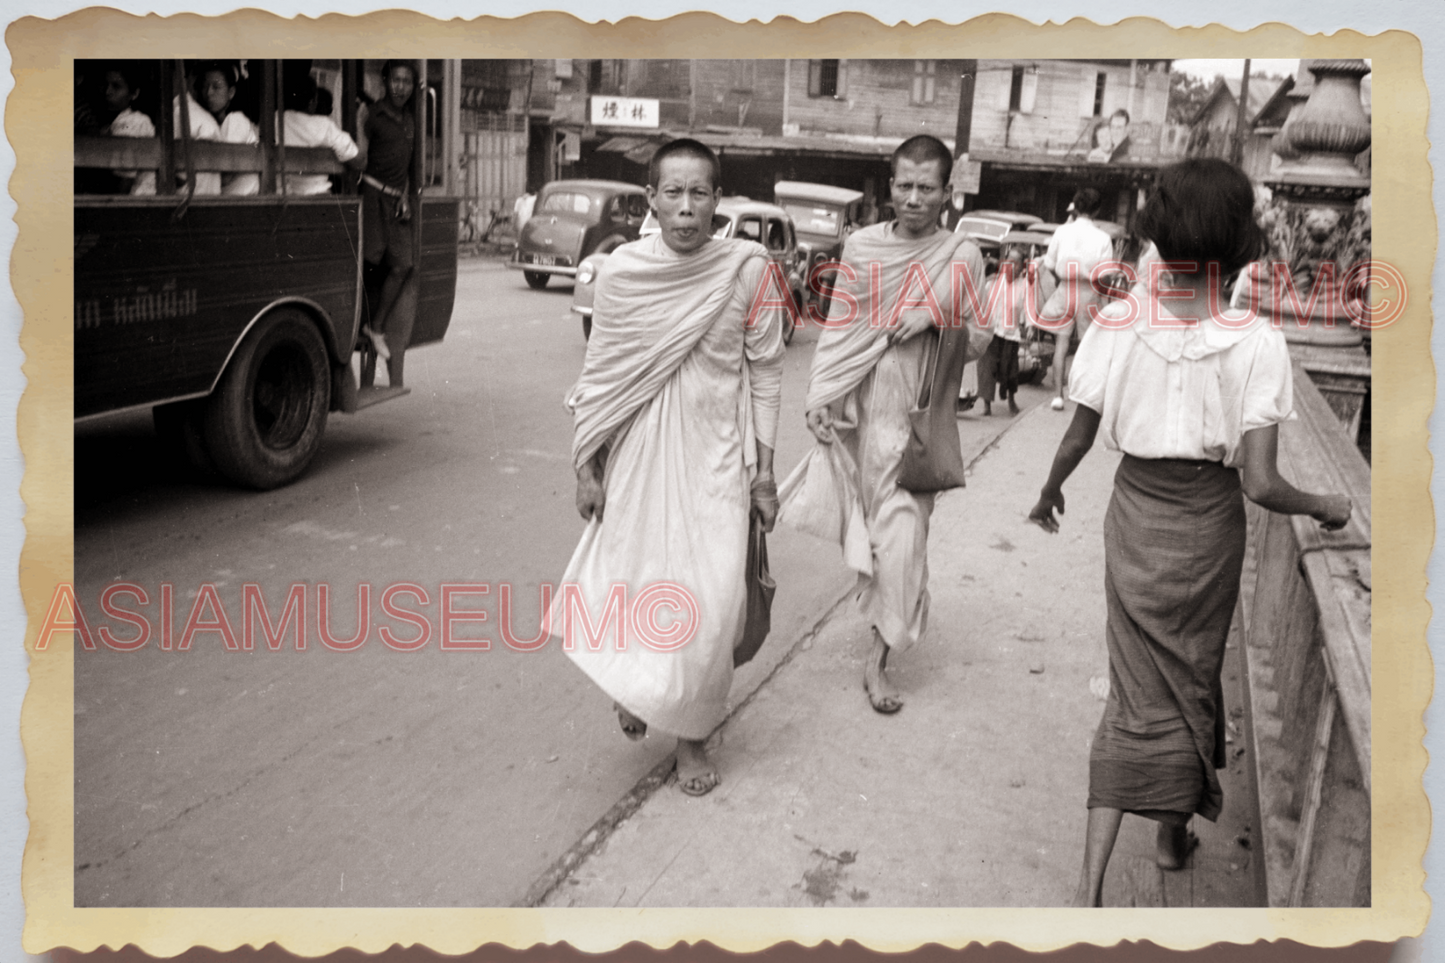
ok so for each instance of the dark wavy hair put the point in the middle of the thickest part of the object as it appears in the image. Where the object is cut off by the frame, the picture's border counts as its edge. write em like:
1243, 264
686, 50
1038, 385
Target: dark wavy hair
1202, 210
684, 147
1086, 202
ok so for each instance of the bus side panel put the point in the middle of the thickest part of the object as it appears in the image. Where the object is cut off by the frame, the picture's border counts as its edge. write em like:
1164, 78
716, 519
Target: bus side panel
438, 268
160, 305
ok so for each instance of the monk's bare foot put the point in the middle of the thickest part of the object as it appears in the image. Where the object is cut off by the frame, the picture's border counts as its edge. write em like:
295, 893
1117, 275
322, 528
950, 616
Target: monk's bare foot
882, 696
632, 727
695, 774
1175, 844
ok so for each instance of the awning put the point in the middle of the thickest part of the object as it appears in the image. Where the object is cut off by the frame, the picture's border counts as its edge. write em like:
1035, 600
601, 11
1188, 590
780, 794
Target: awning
639, 150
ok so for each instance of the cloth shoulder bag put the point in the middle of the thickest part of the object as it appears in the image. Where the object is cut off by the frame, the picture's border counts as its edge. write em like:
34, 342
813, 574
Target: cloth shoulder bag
933, 459
761, 588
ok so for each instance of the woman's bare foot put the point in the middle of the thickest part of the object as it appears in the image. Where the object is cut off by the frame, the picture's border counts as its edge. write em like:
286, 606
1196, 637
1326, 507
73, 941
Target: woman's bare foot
1175, 843
882, 696
695, 774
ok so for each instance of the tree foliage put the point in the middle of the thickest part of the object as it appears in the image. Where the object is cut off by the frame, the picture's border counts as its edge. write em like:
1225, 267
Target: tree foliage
1187, 94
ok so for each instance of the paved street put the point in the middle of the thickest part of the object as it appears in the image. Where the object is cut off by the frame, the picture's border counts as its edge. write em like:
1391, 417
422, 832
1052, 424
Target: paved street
372, 777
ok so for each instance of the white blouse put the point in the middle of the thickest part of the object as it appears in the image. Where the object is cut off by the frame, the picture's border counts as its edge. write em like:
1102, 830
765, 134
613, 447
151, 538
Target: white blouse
1181, 391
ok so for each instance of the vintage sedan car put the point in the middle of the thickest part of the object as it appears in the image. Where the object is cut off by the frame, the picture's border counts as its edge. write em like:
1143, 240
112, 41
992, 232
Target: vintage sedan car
767, 224
824, 216
571, 220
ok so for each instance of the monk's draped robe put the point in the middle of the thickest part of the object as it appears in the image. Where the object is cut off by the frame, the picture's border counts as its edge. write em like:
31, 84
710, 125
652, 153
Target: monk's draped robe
870, 386
679, 388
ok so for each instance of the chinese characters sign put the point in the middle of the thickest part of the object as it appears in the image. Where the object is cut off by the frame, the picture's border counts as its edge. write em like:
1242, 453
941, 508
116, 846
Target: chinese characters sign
624, 111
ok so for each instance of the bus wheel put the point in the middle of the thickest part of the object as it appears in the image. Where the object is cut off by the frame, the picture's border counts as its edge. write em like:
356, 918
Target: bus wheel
265, 419
536, 280
181, 429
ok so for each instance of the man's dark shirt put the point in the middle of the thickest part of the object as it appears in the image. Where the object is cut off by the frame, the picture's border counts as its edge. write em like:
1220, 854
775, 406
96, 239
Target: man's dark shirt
389, 136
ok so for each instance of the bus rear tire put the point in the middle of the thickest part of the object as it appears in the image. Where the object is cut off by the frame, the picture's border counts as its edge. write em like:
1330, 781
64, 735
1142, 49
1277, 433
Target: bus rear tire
536, 280
265, 420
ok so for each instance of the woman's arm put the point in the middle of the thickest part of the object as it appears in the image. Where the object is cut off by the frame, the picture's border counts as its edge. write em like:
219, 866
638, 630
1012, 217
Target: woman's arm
1075, 445
1264, 486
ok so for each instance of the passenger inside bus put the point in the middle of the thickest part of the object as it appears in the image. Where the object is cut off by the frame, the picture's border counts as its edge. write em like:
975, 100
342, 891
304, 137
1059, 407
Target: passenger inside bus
217, 85
304, 126
115, 114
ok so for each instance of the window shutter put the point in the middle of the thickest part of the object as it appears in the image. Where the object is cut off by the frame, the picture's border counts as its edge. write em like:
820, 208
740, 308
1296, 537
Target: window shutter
1086, 90
1029, 93
815, 78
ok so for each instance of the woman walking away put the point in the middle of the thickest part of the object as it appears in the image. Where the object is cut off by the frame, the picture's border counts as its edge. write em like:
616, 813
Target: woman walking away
1194, 401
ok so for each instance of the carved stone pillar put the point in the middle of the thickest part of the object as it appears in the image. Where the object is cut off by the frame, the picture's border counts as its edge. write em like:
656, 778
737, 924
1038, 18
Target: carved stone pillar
1318, 222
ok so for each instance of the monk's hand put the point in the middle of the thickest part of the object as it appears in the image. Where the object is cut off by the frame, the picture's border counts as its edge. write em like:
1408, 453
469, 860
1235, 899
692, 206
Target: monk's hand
590, 495
1333, 513
912, 325
763, 497
1042, 513
820, 423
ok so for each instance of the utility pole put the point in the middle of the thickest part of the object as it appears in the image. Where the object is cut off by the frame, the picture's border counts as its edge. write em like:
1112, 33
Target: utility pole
968, 70
1241, 118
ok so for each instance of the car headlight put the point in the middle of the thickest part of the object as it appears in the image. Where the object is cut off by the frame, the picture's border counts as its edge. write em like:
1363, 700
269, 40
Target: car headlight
586, 272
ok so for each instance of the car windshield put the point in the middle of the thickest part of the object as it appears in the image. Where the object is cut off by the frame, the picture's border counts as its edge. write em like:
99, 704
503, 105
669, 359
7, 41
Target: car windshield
813, 219
566, 202
994, 230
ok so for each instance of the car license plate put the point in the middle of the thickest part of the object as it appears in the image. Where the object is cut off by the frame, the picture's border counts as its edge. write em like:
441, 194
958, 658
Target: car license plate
548, 259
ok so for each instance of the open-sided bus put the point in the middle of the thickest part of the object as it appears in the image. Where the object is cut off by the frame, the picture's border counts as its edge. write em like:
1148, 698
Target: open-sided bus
235, 318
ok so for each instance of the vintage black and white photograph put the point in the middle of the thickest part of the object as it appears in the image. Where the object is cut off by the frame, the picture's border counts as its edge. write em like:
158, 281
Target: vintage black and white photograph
722, 483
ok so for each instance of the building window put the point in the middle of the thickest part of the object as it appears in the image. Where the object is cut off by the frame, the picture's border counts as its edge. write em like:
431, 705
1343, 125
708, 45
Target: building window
925, 75
745, 74
1016, 90
823, 78
1099, 82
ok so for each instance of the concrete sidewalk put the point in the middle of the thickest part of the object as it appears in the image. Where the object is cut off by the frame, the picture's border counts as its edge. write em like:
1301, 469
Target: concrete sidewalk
973, 795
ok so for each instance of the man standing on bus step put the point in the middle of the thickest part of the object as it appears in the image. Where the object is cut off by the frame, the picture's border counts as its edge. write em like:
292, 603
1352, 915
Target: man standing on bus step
390, 132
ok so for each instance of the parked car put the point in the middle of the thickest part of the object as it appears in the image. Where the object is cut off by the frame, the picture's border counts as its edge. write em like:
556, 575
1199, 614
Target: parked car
824, 217
765, 223
571, 220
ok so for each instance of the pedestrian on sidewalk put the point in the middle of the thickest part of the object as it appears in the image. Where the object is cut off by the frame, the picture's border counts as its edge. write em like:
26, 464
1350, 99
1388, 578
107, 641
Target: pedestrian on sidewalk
390, 134
1075, 249
1194, 403
676, 412
998, 369
866, 376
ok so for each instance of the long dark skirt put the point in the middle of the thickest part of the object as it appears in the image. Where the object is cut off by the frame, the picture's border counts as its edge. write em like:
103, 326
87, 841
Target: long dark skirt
999, 367
1173, 549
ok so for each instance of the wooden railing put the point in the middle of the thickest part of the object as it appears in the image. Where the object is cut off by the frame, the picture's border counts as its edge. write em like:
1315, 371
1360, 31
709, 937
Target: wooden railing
141, 153
1304, 622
